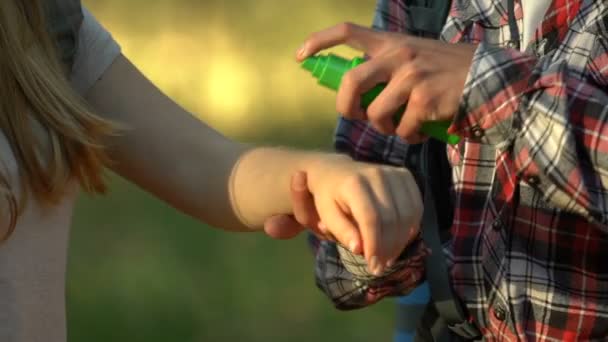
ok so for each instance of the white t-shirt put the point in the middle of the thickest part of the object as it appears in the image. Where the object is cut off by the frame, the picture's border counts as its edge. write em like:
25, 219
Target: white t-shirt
33, 260
534, 13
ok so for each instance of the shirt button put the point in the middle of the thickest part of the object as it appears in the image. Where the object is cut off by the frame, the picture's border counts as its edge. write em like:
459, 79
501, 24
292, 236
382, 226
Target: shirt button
500, 313
497, 224
477, 132
533, 180
362, 286
513, 44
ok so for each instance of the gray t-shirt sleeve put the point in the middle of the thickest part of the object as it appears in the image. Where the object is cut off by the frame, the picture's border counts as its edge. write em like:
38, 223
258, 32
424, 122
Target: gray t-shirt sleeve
96, 52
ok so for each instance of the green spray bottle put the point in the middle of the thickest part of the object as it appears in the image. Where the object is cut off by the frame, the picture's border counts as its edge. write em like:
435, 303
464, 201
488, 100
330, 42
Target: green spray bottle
329, 69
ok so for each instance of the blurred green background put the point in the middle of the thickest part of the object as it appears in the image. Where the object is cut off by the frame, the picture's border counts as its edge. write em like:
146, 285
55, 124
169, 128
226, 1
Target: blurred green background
140, 271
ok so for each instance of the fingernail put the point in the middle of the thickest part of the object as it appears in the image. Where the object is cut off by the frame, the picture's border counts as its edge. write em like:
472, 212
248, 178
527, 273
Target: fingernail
353, 246
371, 266
390, 263
374, 266
322, 226
301, 51
299, 182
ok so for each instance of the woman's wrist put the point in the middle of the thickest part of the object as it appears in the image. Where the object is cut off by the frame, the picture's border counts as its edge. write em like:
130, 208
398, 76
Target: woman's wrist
323, 167
260, 182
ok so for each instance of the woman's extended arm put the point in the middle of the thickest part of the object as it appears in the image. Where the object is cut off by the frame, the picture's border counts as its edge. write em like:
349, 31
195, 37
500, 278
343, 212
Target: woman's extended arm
176, 157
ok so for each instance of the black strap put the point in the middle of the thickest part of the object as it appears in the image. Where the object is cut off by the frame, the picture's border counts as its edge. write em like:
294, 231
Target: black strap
432, 327
428, 16
514, 30
448, 307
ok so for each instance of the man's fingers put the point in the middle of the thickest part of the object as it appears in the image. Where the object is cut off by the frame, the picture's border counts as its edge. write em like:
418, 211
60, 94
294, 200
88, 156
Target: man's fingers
390, 101
385, 203
356, 36
282, 227
407, 212
304, 209
341, 227
367, 215
415, 115
357, 82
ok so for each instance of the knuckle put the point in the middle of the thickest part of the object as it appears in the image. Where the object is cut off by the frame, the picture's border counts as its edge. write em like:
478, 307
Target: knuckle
412, 73
421, 98
417, 73
404, 52
352, 80
345, 29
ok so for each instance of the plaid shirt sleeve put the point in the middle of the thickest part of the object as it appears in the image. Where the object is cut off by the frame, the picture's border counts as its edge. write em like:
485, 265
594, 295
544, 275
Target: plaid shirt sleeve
344, 278
548, 121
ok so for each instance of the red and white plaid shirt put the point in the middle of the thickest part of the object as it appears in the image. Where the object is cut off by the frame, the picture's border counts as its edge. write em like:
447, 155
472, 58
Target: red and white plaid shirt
530, 177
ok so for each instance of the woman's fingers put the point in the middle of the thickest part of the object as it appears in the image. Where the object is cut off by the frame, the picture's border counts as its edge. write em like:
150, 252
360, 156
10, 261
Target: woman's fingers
339, 225
282, 227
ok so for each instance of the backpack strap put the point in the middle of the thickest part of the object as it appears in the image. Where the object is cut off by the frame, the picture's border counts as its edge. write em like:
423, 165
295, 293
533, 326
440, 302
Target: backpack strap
63, 19
427, 17
436, 220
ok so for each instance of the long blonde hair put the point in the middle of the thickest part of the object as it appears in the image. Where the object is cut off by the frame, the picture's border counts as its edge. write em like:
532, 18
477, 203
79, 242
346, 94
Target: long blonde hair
54, 136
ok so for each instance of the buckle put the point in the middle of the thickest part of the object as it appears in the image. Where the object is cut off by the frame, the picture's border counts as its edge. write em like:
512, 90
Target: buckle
466, 330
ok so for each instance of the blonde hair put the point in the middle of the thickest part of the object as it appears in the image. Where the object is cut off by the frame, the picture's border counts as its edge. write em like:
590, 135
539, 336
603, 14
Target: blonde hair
54, 136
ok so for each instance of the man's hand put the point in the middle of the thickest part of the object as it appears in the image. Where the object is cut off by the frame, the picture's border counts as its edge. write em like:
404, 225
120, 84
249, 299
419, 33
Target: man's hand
384, 240
426, 74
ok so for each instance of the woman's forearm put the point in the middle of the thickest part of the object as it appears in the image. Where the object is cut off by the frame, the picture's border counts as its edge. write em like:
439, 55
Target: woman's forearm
173, 155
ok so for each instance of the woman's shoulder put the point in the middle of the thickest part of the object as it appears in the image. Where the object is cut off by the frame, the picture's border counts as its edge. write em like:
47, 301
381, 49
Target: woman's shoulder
97, 49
